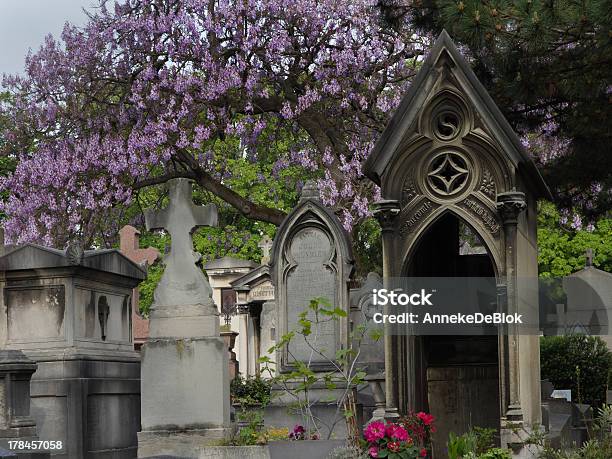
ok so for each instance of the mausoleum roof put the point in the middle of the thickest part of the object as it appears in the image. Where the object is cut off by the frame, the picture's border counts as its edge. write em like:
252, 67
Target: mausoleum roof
599, 282
34, 256
252, 278
403, 121
228, 262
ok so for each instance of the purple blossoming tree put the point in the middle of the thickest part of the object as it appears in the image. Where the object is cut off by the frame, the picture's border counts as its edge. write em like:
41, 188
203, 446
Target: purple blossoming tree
148, 90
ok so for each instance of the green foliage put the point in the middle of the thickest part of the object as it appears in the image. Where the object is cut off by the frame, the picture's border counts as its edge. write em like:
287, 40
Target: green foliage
496, 453
561, 251
484, 438
8, 162
250, 391
252, 432
460, 446
367, 242
147, 288
577, 362
475, 444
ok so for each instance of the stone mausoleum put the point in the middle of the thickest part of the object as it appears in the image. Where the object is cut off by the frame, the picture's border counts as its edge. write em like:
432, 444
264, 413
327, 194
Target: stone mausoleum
69, 311
448, 164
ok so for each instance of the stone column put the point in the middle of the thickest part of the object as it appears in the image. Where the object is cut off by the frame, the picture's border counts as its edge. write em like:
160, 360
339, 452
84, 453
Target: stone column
510, 205
386, 212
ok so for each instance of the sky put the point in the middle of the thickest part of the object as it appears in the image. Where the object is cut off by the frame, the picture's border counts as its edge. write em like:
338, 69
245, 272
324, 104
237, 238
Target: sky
25, 23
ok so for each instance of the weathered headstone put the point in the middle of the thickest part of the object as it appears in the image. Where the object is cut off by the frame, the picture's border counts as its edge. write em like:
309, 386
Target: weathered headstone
185, 382
311, 258
129, 245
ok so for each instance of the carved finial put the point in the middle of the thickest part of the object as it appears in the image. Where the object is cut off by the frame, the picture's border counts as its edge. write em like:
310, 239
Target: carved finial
75, 252
310, 190
589, 257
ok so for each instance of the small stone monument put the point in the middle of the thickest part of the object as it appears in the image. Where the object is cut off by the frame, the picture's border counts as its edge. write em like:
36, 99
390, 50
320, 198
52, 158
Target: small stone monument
16, 424
311, 258
185, 381
265, 245
69, 312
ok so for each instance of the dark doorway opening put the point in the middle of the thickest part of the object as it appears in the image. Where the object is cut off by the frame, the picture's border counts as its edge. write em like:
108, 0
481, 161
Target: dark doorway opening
457, 377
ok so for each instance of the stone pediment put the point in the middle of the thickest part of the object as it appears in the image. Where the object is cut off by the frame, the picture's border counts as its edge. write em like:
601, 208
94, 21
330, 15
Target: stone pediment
33, 256
428, 115
251, 279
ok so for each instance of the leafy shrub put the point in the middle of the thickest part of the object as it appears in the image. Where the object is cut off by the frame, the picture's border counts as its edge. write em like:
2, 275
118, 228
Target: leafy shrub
461, 446
251, 433
250, 391
496, 453
475, 444
578, 362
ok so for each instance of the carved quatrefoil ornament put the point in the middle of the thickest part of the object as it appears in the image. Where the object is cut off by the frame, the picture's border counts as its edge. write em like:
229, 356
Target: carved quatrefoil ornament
448, 173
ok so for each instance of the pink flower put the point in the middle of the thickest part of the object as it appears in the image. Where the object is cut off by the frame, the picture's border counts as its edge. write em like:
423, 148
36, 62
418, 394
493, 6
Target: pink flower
373, 451
393, 446
374, 431
427, 419
423, 452
396, 432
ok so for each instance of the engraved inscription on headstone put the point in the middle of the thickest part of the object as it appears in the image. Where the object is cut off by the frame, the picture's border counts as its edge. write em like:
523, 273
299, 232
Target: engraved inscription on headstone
312, 277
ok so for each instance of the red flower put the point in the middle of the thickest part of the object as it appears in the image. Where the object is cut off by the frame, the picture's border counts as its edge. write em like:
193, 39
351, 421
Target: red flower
423, 452
427, 419
393, 446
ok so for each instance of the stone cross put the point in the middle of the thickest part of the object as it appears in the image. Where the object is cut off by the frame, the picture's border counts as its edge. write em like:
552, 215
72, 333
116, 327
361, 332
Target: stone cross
265, 245
182, 283
129, 245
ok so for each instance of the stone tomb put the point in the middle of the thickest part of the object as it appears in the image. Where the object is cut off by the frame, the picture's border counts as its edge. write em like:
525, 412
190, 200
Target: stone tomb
449, 163
70, 312
257, 311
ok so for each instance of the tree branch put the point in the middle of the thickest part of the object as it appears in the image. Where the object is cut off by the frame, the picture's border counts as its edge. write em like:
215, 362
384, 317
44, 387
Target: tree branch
194, 172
